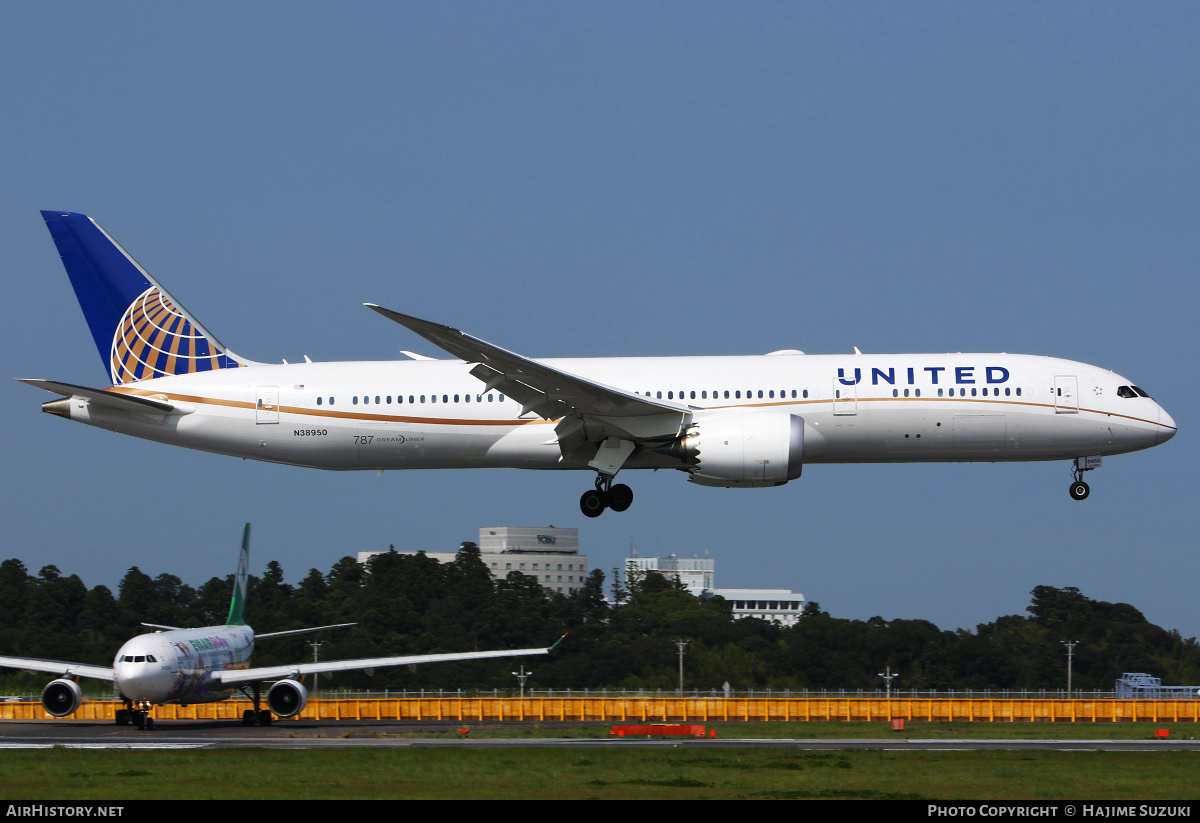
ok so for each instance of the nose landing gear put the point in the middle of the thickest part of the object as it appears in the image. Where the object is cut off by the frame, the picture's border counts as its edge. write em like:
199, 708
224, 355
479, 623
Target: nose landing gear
606, 496
1080, 490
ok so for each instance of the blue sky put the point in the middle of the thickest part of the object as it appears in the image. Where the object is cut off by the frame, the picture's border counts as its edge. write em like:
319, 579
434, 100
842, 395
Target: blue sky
591, 179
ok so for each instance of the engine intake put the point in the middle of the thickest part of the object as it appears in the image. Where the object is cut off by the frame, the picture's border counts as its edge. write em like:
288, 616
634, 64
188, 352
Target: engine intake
750, 449
61, 697
287, 698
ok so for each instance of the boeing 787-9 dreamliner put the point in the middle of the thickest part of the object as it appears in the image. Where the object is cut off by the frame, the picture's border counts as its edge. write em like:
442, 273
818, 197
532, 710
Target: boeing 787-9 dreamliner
737, 421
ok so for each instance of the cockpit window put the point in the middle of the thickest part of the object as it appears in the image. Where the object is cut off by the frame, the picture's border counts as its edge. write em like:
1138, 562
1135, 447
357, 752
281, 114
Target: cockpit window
1125, 391
1139, 391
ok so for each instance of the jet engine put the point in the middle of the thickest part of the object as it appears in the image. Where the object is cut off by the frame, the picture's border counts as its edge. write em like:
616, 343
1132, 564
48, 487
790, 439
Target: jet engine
61, 697
749, 449
287, 698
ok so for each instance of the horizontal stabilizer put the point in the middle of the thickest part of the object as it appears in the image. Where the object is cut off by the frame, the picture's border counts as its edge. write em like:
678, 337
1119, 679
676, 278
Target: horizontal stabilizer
102, 397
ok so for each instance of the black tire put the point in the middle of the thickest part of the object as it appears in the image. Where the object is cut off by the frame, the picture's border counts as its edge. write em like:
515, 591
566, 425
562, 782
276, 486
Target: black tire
592, 503
248, 717
1080, 490
265, 718
620, 497
149, 724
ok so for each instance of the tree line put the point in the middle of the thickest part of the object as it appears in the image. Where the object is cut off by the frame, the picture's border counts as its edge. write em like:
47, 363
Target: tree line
621, 631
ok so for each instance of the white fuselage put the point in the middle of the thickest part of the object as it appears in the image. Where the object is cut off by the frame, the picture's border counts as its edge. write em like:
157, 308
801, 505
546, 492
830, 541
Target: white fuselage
176, 666
430, 414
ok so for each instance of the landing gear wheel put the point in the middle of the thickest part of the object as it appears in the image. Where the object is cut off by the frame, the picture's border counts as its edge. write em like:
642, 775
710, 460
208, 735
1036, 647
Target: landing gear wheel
264, 717
620, 497
122, 717
592, 503
1080, 490
149, 724
248, 717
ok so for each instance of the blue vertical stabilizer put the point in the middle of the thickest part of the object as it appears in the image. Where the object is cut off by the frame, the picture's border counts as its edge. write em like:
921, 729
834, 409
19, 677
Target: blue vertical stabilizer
140, 331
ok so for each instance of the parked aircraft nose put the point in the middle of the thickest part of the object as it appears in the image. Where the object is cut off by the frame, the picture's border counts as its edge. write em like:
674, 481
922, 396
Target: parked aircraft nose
1166, 426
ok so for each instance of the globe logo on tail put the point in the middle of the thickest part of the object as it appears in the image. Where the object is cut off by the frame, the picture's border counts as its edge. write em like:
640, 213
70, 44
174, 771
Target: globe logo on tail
154, 339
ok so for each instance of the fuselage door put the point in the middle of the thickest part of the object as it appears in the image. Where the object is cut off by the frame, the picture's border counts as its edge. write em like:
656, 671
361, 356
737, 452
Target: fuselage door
1066, 394
845, 398
267, 405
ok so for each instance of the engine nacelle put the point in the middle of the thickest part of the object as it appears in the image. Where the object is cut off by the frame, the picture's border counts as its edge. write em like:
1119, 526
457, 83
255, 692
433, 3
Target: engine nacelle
750, 449
287, 698
61, 697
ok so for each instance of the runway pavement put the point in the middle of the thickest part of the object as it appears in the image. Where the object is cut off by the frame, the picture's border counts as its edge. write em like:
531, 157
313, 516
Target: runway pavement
311, 734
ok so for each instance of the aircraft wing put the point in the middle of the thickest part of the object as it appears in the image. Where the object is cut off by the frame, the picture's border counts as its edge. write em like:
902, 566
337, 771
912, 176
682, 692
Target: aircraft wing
548, 392
58, 667
231, 677
123, 402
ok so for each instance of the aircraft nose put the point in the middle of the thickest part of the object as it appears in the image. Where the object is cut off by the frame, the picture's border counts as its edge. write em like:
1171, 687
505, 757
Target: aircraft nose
1166, 426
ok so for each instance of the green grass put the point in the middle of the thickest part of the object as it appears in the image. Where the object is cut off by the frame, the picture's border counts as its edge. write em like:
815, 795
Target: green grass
627, 773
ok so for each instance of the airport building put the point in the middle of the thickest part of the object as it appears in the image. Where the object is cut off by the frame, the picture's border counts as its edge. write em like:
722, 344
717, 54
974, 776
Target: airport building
547, 553
698, 575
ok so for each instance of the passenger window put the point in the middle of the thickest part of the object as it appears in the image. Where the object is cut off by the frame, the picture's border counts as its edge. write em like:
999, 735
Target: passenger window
806, 392
376, 400
318, 401
354, 401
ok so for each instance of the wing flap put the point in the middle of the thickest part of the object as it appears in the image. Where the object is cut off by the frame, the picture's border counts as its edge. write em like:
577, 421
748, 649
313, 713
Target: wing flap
231, 677
539, 388
59, 668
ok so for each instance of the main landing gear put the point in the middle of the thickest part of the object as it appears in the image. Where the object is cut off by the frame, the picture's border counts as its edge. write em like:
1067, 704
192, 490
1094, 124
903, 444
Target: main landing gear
606, 496
258, 716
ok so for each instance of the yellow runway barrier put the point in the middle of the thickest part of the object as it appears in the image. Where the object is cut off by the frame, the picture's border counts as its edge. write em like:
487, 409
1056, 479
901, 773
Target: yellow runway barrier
673, 709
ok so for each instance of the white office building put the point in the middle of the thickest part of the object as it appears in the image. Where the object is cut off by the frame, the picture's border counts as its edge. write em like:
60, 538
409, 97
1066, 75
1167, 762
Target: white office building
778, 605
550, 554
698, 575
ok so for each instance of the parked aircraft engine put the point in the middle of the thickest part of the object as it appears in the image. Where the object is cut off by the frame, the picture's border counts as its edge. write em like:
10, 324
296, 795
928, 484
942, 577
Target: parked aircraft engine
61, 697
750, 449
287, 698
